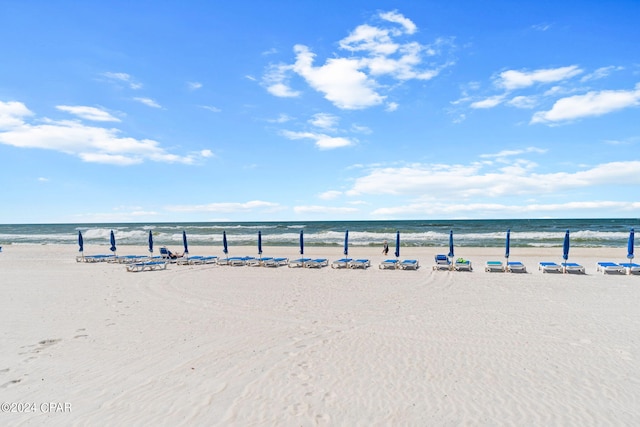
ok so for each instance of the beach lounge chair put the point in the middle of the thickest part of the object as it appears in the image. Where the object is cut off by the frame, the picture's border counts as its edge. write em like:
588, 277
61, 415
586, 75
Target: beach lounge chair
274, 262
549, 267
168, 256
462, 264
573, 267
200, 259
317, 263
389, 264
516, 267
94, 258
610, 268
238, 261
341, 263
128, 259
630, 267
186, 261
360, 263
258, 262
147, 266
494, 267
299, 262
442, 262
409, 264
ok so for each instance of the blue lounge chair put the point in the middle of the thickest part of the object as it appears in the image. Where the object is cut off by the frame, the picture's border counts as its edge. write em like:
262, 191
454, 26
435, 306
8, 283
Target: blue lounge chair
94, 258
317, 263
341, 263
168, 256
573, 267
201, 259
300, 262
516, 267
128, 259
409, 264
610, 268
360, 263
462, 264
442, 262
147, 266
239, 261
631, 267
389, 264
258, 262
494, 267
549, 267
275, 262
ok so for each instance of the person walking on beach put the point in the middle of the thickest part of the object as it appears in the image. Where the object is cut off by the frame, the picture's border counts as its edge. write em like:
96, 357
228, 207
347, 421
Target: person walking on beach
385, 248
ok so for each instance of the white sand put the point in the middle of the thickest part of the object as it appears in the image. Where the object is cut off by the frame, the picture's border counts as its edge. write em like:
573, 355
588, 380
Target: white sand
213, 345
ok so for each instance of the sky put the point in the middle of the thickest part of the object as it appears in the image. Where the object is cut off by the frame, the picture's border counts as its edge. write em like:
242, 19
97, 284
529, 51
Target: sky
172, 111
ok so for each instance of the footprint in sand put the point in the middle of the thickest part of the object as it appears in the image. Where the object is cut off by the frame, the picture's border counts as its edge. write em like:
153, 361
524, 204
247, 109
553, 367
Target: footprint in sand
46, 343
10, 383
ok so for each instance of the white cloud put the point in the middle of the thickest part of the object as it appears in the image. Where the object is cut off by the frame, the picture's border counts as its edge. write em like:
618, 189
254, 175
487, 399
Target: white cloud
361, 129
89, 143
374, 52
494, 210
513, 79
525, 102
541, 27
324, 121
490, 102
124, 78
516, 178
227, 207
511, 153
276, 81
12, 114
601, 73
369, 39
590, 104
330, 195
322, 141
398, 18
282, 118
194, 85
211, 108
340, 79
392, 106
88, 113
148, 102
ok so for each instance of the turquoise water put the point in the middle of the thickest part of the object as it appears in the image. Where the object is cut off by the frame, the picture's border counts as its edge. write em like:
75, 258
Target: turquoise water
471, 233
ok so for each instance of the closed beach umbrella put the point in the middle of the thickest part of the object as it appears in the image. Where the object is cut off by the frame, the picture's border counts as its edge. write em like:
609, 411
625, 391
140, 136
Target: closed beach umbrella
225, 248
565, 246
346, 242
507, 244
259, 242
150, 242
565, 249
630, 245
112, 239
397, 244
301, 242
451, 253
184, 242
80, 241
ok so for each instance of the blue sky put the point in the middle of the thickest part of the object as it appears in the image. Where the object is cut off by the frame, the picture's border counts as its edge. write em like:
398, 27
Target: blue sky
152, 111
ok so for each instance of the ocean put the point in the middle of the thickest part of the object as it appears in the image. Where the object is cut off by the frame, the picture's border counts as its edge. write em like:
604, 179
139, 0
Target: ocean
428, 233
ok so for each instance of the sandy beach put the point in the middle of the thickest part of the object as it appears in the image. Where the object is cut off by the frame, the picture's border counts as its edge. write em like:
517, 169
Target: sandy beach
93, 344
